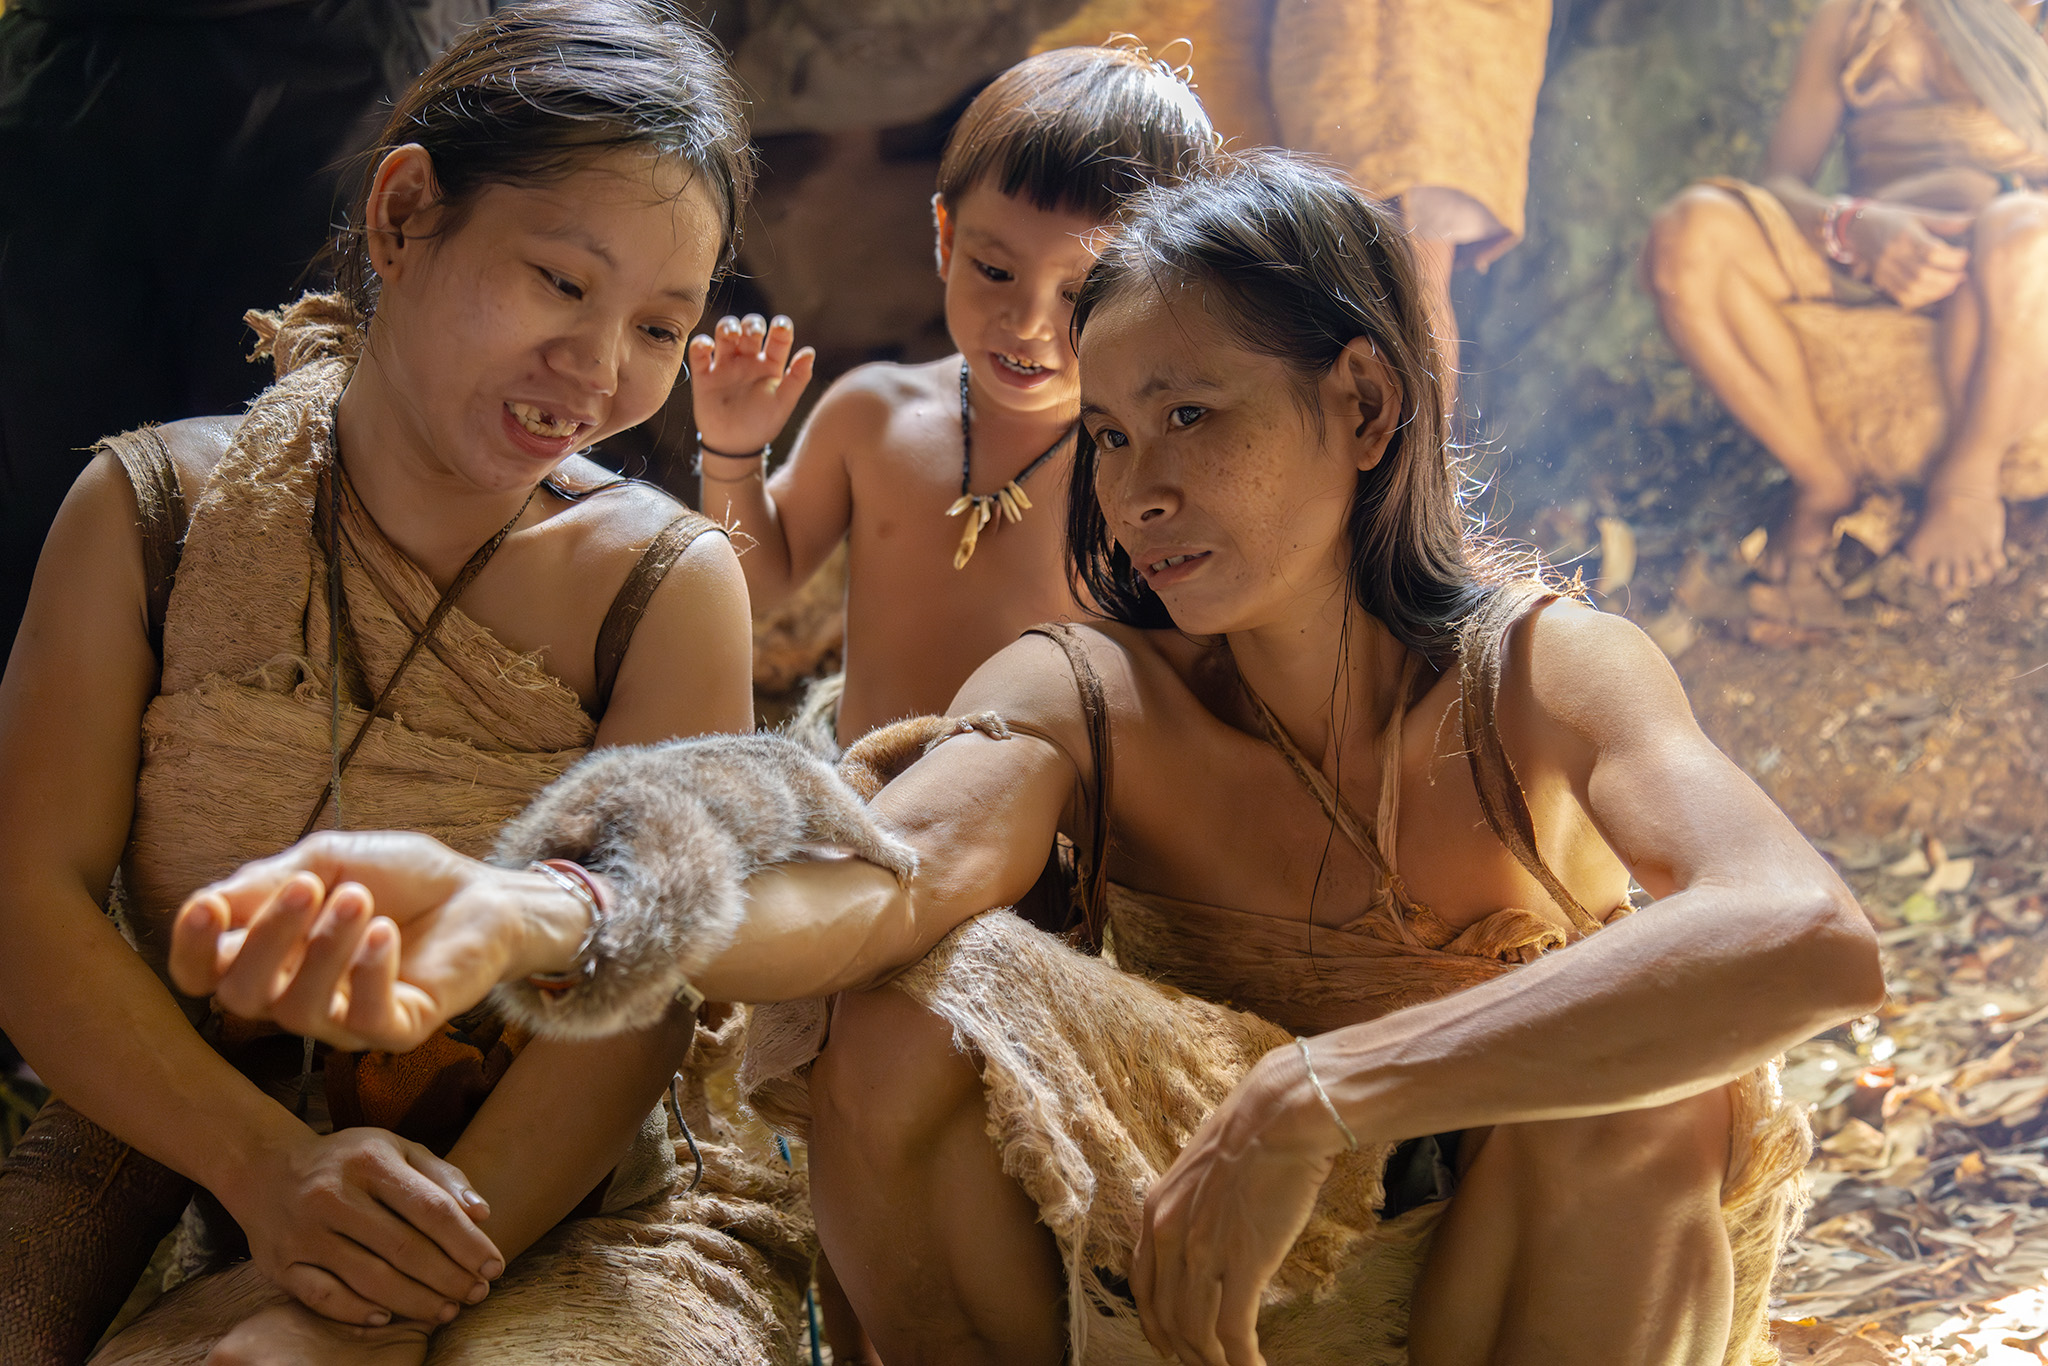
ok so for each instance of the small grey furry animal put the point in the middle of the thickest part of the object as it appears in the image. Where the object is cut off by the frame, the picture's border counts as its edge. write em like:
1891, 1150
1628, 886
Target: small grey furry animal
677, 828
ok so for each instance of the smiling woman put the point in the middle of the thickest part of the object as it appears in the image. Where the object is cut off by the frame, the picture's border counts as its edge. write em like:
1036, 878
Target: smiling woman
393, 594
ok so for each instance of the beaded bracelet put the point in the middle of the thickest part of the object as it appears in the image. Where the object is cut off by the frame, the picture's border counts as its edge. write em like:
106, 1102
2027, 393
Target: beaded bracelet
1350, 1139
576, 880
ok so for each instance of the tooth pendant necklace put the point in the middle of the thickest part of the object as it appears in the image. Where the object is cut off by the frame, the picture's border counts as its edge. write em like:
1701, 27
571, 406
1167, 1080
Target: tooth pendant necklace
982, 508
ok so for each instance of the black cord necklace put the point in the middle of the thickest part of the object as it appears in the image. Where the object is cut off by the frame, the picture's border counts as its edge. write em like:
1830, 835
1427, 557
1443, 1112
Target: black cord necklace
1009, 500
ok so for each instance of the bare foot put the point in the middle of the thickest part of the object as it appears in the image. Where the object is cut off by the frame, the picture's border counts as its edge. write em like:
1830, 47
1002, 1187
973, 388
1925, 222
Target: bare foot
1793, 553
1960, 542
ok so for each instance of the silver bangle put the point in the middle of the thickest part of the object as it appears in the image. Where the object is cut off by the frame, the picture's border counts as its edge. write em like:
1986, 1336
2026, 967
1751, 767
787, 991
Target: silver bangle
586, 952
1350, 1139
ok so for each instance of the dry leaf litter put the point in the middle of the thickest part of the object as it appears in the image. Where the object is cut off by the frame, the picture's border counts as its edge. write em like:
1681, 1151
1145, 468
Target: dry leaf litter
1908, 737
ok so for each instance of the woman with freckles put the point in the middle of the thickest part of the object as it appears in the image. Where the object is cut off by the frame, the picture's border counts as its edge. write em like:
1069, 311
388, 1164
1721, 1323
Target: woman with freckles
393, 594
1376, 1062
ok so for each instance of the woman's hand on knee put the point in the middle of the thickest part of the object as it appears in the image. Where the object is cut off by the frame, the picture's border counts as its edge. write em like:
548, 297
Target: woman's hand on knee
367, 1228
1218, 1225
361, 940
287, 1335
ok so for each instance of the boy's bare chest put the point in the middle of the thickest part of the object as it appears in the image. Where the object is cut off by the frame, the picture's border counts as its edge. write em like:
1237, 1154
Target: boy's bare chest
908, 514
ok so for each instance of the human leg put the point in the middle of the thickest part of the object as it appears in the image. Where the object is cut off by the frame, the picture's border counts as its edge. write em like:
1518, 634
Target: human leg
941, 1254
1586, 1241
1721, 293
1994, 349
80, 1214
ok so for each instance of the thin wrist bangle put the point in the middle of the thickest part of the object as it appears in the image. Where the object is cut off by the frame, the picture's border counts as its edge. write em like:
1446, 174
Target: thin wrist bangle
767, 449
1350, 1139
576, 880
757, 462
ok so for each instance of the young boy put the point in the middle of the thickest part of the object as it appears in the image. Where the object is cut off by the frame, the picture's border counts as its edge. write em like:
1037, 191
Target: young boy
950, 477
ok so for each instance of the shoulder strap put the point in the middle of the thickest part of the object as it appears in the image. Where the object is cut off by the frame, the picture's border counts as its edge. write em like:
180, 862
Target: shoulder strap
161, 503
1482, 651
1094, 889
616, 635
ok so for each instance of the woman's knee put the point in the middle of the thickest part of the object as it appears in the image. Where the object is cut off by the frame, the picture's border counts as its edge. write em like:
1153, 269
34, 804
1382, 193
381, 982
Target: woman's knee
1673, 1151
1693, 239
889, 1077
2010, 238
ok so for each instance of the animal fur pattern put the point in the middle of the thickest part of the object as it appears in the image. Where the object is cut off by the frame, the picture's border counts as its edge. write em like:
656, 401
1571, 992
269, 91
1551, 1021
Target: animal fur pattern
677, 829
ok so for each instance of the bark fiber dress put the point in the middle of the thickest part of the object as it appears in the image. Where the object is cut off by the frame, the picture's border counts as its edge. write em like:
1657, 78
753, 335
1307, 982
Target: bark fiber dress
1429, 101
1875, 366
236, 754
1099, 1070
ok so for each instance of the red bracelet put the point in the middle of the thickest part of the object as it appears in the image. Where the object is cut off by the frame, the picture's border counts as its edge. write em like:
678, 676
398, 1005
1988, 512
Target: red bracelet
578, 882
1832, 240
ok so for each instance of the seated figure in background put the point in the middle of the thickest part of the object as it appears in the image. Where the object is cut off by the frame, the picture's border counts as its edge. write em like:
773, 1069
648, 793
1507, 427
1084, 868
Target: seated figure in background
1894, 335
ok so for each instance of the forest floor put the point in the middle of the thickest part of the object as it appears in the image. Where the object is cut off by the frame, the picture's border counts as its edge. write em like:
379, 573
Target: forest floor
1911, 744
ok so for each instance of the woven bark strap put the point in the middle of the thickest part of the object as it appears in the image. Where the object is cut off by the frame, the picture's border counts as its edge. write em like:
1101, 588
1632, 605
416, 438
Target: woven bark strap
161, 504
1094, 889
615, 636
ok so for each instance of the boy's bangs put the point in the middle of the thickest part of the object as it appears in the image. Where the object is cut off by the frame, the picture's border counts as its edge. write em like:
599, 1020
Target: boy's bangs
1077, 130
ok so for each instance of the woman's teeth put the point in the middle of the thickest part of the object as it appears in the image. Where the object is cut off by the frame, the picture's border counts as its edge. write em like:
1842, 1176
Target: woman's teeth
1159, 566
541, 423
1019, 364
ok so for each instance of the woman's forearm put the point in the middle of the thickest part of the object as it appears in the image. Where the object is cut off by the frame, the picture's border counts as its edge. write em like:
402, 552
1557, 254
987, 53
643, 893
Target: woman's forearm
1686, 995
561, 1119
103, 1031
1806, 205
813, 929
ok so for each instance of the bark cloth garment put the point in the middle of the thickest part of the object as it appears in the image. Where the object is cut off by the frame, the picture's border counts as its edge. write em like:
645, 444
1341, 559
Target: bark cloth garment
236, 752
1099, 1069
1875, 366
1433, 101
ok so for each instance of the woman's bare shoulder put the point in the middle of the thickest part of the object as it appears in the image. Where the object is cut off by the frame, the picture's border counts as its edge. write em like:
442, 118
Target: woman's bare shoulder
196, 445
1583, 679
1042, 679
615, 518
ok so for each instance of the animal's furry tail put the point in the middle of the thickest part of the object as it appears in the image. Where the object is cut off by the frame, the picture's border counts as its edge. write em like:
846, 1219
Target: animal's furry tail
816, 723
878, 758
675, 874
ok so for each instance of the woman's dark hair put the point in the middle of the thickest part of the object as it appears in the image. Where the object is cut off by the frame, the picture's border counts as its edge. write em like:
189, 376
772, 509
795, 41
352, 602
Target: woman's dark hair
1076, 130
533, 92
1295, 262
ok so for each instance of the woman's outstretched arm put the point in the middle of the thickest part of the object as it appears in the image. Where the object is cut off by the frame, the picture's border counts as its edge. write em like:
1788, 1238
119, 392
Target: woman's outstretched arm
285, 938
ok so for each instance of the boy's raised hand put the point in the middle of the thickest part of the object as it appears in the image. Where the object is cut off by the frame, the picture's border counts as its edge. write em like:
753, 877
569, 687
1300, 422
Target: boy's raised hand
744, 383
